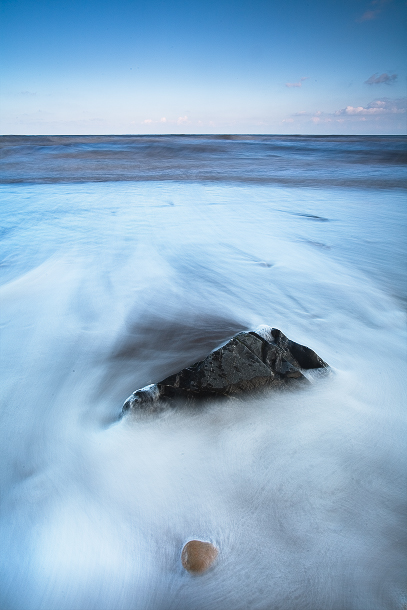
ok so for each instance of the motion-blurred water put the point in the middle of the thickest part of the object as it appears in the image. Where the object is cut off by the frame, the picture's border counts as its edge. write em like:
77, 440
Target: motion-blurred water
110, 285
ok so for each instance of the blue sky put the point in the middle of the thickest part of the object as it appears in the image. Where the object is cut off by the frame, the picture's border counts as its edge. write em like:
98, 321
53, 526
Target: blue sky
317, 66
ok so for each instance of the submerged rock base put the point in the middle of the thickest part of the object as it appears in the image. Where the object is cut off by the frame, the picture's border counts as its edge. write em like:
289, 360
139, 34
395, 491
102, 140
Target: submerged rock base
248, 362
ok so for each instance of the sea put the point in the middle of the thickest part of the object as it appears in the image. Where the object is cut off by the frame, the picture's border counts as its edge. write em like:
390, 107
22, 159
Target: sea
125, 259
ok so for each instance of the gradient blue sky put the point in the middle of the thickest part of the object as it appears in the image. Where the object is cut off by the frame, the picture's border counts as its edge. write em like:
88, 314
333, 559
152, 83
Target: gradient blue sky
312, 67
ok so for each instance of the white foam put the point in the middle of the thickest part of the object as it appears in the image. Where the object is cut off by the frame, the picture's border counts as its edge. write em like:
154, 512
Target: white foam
303, 493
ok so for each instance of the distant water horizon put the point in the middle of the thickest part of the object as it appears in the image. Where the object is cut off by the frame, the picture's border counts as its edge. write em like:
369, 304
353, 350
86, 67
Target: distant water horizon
297, 160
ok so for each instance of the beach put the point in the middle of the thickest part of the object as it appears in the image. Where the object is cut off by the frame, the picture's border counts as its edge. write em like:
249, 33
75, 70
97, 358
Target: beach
125, 259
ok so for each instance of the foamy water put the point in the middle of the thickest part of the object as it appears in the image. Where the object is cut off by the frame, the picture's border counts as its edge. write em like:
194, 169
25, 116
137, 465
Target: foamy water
110, 286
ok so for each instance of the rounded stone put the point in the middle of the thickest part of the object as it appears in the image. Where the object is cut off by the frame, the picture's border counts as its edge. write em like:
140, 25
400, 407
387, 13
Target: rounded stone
198, 556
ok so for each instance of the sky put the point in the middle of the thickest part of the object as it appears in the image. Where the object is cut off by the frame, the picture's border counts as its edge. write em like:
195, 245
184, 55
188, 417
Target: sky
203, 66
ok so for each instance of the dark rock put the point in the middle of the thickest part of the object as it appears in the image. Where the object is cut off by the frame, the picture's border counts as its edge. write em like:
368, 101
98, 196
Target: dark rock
249, 361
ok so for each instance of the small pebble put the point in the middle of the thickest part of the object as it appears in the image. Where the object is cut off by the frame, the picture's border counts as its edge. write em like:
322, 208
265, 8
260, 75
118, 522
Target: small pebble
198, 556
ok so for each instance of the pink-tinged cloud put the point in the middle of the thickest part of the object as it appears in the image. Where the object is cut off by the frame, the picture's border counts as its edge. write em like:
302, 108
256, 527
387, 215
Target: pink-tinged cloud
147, 121
369, 15
384, 78
299, 84
182, 119
374, 12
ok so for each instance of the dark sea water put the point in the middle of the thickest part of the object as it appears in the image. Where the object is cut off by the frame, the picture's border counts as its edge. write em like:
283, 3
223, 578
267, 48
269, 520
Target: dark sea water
124, 259
369, 162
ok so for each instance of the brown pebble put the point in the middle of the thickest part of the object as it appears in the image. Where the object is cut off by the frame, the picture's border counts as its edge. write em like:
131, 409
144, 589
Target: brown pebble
198, 556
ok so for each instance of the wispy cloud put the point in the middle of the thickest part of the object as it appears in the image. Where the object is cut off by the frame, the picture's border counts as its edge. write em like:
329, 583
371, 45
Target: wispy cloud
369, 15
389, 109
383, 106
179, 121
299, 84
375, 10
385, 78
150, 121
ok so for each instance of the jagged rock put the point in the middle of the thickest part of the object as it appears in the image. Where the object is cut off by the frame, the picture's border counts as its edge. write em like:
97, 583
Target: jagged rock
198, 556
247, 362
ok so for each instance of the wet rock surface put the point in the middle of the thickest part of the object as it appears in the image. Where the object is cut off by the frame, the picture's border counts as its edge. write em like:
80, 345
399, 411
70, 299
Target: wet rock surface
198, 556
248, 362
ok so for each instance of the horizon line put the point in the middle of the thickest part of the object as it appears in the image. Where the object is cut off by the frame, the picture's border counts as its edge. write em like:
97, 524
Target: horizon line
186, 135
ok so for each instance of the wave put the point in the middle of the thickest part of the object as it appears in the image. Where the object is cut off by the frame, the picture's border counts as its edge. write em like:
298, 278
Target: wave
365, 162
